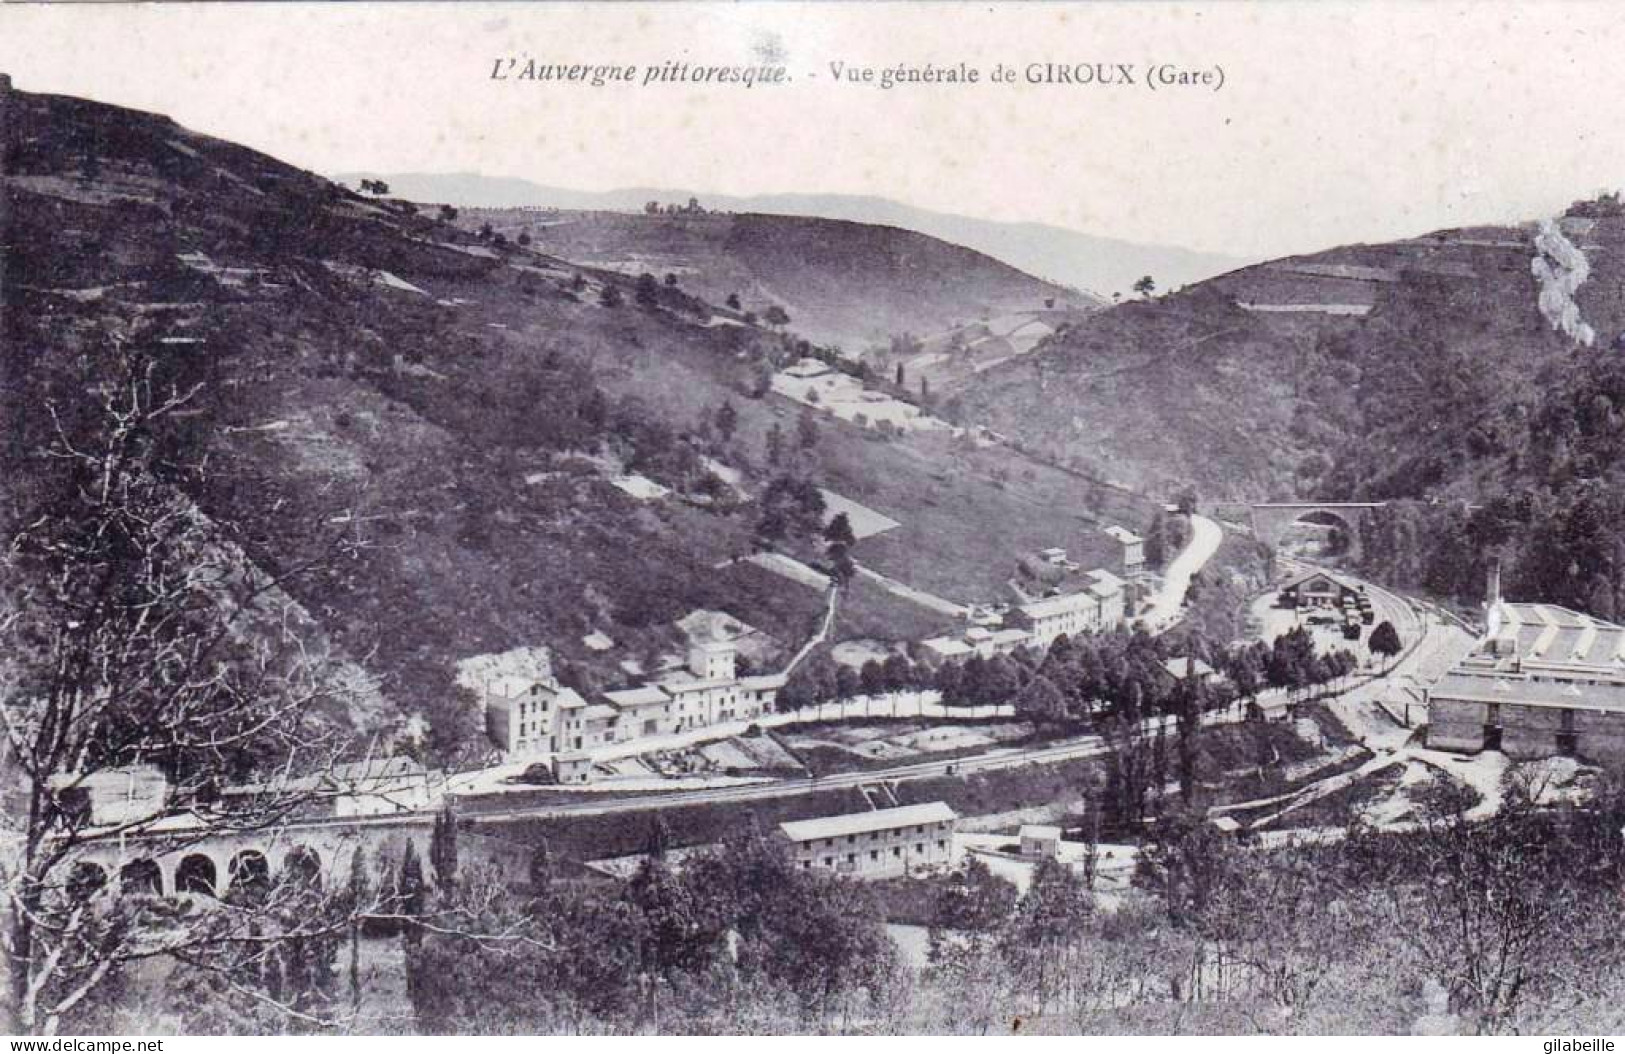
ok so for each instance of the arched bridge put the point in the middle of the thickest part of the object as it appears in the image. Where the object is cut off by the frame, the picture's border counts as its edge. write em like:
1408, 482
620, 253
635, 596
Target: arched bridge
179, 860
1270, 520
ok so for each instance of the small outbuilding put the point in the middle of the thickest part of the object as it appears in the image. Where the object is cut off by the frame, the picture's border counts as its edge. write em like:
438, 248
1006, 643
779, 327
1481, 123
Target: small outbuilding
1040, 842
574, 767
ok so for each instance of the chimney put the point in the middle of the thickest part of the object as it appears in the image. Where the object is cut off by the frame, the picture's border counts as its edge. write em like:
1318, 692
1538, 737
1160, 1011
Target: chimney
1492, 607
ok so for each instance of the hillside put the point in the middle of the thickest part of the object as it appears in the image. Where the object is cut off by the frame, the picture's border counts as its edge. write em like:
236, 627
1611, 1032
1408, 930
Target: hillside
851, 285
1072, 258
529, 448
1363, 370
1470, 378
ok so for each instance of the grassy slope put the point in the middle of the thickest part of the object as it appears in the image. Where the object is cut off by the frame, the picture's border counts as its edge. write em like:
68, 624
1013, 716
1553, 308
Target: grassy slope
327, 393
842, 283
1190, 387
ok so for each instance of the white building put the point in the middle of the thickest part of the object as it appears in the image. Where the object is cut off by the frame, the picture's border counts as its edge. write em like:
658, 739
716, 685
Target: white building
978, 640
883, 843
379, 786
113, 796
807, 368
1040, 842
1069, 613
1095, 605
645, 710
1131, 549
526, 716
573, 766
1109, 592
710, 691
1543, 681
712, 659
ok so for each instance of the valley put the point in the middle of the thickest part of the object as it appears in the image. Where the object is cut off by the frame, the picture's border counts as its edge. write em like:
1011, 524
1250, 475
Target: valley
608, 590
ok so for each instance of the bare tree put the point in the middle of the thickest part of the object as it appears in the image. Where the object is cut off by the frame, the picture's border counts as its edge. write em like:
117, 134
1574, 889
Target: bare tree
1505, 915
133, 631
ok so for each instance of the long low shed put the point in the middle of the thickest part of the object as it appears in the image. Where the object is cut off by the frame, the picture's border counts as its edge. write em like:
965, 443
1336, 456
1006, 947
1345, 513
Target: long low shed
881, 843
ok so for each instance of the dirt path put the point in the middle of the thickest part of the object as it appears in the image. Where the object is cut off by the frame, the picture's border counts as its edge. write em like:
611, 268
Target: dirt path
819, 637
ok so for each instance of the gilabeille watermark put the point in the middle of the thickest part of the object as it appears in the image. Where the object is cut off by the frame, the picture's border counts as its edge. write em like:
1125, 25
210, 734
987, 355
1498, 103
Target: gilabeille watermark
1589, 1045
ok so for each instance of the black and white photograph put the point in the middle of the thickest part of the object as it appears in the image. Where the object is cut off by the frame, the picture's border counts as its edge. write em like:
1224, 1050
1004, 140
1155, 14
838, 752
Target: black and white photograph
755, 519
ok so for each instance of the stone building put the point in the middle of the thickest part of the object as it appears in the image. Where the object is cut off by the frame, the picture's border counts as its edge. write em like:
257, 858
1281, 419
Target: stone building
1089, 602
883, 843
1131, 549
1544, 680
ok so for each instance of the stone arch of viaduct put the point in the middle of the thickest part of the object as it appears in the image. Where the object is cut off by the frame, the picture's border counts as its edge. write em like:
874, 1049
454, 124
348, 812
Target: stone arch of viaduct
210, 864
1271, 520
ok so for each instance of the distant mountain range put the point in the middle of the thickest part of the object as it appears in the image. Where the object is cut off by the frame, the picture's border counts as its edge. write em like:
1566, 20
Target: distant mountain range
1083, 261
852, 285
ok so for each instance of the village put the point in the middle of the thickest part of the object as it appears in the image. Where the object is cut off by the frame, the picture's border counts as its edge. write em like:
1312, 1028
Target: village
1540, 684
711, 720
535, 721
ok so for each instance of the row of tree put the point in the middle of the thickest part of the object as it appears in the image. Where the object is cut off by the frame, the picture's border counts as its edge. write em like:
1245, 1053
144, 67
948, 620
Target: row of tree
735, 939
1450, 926
1079, 680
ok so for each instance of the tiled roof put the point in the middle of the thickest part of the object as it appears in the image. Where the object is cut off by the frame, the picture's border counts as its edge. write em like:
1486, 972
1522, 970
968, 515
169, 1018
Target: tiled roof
644, 695
863, 822
1060, 605
1521, 692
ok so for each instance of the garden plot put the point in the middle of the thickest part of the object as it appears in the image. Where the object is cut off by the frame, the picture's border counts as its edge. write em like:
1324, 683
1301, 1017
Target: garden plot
906, 740
790, 568
377, 277
733, 757
865, 521
947, 737
640, 487
729, 475
848, 399
1401, 804
857, 652
631, 767
757, 752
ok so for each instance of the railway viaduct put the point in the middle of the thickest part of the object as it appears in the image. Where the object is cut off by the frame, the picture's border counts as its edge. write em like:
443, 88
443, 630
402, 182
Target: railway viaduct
174, 859
1270, 520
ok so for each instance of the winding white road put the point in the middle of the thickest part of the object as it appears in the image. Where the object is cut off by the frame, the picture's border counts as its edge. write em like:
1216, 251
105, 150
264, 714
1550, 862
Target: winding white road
1176, 581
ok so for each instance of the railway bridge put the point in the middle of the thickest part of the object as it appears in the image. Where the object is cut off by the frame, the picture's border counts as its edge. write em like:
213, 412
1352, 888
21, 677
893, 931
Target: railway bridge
1270, 520
172, 856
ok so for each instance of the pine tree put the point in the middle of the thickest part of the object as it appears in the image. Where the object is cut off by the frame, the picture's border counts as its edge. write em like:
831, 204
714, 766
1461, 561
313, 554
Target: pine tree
727, 421
443, 850
541, 868
659, 837
1385, 641
360, 893
411, 894
839, 531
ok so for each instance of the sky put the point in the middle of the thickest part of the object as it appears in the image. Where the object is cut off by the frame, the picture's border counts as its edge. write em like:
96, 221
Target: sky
1335, 123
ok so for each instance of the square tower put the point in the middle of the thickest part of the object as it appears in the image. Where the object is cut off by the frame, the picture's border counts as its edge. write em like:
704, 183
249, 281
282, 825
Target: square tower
712, 660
